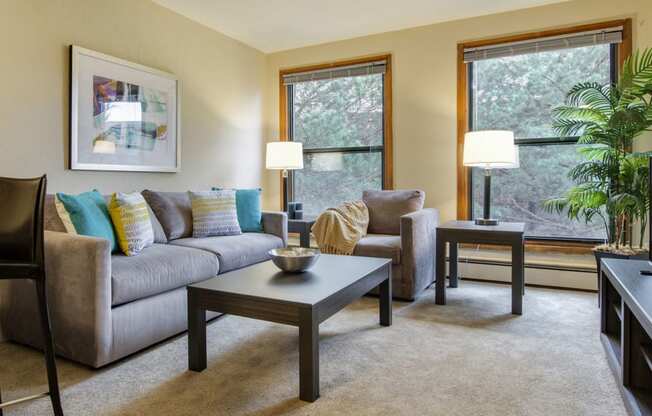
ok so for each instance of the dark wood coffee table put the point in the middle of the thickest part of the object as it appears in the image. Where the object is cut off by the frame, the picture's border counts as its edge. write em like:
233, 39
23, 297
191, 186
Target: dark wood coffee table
304, 300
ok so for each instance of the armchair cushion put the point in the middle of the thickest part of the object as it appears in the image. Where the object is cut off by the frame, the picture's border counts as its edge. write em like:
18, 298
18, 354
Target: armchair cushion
378, 245
387, 207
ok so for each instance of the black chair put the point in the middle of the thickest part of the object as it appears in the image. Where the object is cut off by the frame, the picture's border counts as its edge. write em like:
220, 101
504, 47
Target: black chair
21, 257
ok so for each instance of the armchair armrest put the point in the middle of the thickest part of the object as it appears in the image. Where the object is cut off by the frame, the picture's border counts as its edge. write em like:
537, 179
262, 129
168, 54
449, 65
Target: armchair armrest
276, 223
418, 239
78, 282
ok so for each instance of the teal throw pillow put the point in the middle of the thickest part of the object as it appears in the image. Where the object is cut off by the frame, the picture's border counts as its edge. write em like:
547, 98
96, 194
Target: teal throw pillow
90, 215
250, 215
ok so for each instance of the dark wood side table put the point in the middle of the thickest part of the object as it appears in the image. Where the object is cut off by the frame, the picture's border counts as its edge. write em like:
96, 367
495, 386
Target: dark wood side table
505, 233
302, 227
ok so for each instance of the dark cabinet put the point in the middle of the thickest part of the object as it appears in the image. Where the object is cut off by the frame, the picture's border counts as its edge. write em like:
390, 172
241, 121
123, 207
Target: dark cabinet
626, 326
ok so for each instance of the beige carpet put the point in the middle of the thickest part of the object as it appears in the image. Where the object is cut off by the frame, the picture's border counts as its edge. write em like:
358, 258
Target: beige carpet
470, 357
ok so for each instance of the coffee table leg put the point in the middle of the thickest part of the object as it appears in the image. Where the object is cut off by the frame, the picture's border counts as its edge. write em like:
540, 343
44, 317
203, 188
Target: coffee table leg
385, 299
440, 270
452, 264
308, 356
196, 335
518, 278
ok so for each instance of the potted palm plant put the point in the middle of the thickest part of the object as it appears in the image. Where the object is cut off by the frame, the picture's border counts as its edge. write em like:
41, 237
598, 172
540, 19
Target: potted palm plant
611, 184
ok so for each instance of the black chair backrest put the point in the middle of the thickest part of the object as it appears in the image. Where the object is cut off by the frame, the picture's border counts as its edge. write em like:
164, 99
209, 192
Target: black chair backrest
21, 220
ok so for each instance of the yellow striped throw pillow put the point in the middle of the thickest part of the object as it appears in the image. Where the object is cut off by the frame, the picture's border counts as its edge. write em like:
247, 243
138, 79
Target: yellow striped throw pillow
214, 213
131, 222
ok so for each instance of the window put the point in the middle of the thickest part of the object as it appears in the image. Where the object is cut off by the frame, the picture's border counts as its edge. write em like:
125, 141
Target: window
339, 114
515, 87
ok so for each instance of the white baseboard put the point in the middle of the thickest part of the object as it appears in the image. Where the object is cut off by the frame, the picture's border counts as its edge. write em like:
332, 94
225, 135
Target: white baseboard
570, 271
535, 276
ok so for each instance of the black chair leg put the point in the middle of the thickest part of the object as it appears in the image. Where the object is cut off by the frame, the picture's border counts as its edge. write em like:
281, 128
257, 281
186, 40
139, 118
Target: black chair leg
49, 349
1, 402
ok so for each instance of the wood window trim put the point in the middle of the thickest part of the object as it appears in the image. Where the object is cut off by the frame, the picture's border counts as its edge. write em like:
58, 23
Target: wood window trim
463, 209
388, 151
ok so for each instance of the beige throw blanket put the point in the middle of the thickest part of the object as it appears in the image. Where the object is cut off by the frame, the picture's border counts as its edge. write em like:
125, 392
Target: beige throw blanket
338, 230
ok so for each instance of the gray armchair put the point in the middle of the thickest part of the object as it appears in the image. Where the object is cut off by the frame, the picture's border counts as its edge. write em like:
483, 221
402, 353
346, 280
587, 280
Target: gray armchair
402, 230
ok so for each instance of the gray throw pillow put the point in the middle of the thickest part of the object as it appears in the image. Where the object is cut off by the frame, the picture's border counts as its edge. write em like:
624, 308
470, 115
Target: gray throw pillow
173, 211
387, 207
159, 234
214, 213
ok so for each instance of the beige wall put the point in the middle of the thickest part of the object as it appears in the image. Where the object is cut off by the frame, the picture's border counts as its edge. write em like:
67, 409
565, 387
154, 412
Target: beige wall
222, 82
424, 72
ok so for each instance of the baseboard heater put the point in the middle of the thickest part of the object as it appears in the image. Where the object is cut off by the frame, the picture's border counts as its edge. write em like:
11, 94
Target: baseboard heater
507, 263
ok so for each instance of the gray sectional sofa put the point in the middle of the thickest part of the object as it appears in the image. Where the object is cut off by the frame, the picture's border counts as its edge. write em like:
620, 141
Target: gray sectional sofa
106, 306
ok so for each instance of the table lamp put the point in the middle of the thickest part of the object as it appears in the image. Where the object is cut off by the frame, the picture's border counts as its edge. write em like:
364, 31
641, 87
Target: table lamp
284, 156
489, 149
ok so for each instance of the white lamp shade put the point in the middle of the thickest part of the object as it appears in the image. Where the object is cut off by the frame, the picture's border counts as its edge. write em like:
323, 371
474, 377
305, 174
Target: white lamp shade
284, 155
490, 149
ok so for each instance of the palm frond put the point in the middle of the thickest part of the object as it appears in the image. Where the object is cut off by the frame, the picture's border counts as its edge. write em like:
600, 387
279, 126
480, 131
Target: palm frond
595, 152
587, 196
555, 205
590, 171
637, 71
569, 128
592, 95
582, 114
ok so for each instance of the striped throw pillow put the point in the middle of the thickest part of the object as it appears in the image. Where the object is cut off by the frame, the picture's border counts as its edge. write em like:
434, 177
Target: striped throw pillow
131, 221
214, 213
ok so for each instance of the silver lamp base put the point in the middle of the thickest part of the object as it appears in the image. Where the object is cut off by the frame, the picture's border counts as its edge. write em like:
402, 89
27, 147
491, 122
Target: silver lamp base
485, 221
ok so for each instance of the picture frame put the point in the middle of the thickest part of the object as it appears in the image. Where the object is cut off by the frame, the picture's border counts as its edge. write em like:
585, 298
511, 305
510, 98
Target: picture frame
123, 116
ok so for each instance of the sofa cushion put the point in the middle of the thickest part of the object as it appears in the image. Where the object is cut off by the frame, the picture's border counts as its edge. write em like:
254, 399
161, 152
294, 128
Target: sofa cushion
250, 213
130, 215
173, 212
214, 213
377, 245
89, 215
159, 233
157, 269
53, 221
235, 251
387, 207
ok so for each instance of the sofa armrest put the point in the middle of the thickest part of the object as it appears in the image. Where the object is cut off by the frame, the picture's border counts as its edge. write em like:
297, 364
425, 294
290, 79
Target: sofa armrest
276, 223
418, 239
78, 281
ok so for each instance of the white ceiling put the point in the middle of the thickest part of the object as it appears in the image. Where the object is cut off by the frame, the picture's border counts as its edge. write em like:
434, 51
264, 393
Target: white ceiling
275, 25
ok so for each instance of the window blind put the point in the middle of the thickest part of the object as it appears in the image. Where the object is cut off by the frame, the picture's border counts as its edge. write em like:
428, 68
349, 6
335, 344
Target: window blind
574, 40
378, 67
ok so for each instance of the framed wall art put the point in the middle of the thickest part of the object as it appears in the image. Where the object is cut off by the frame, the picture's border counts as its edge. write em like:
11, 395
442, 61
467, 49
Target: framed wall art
123, 116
